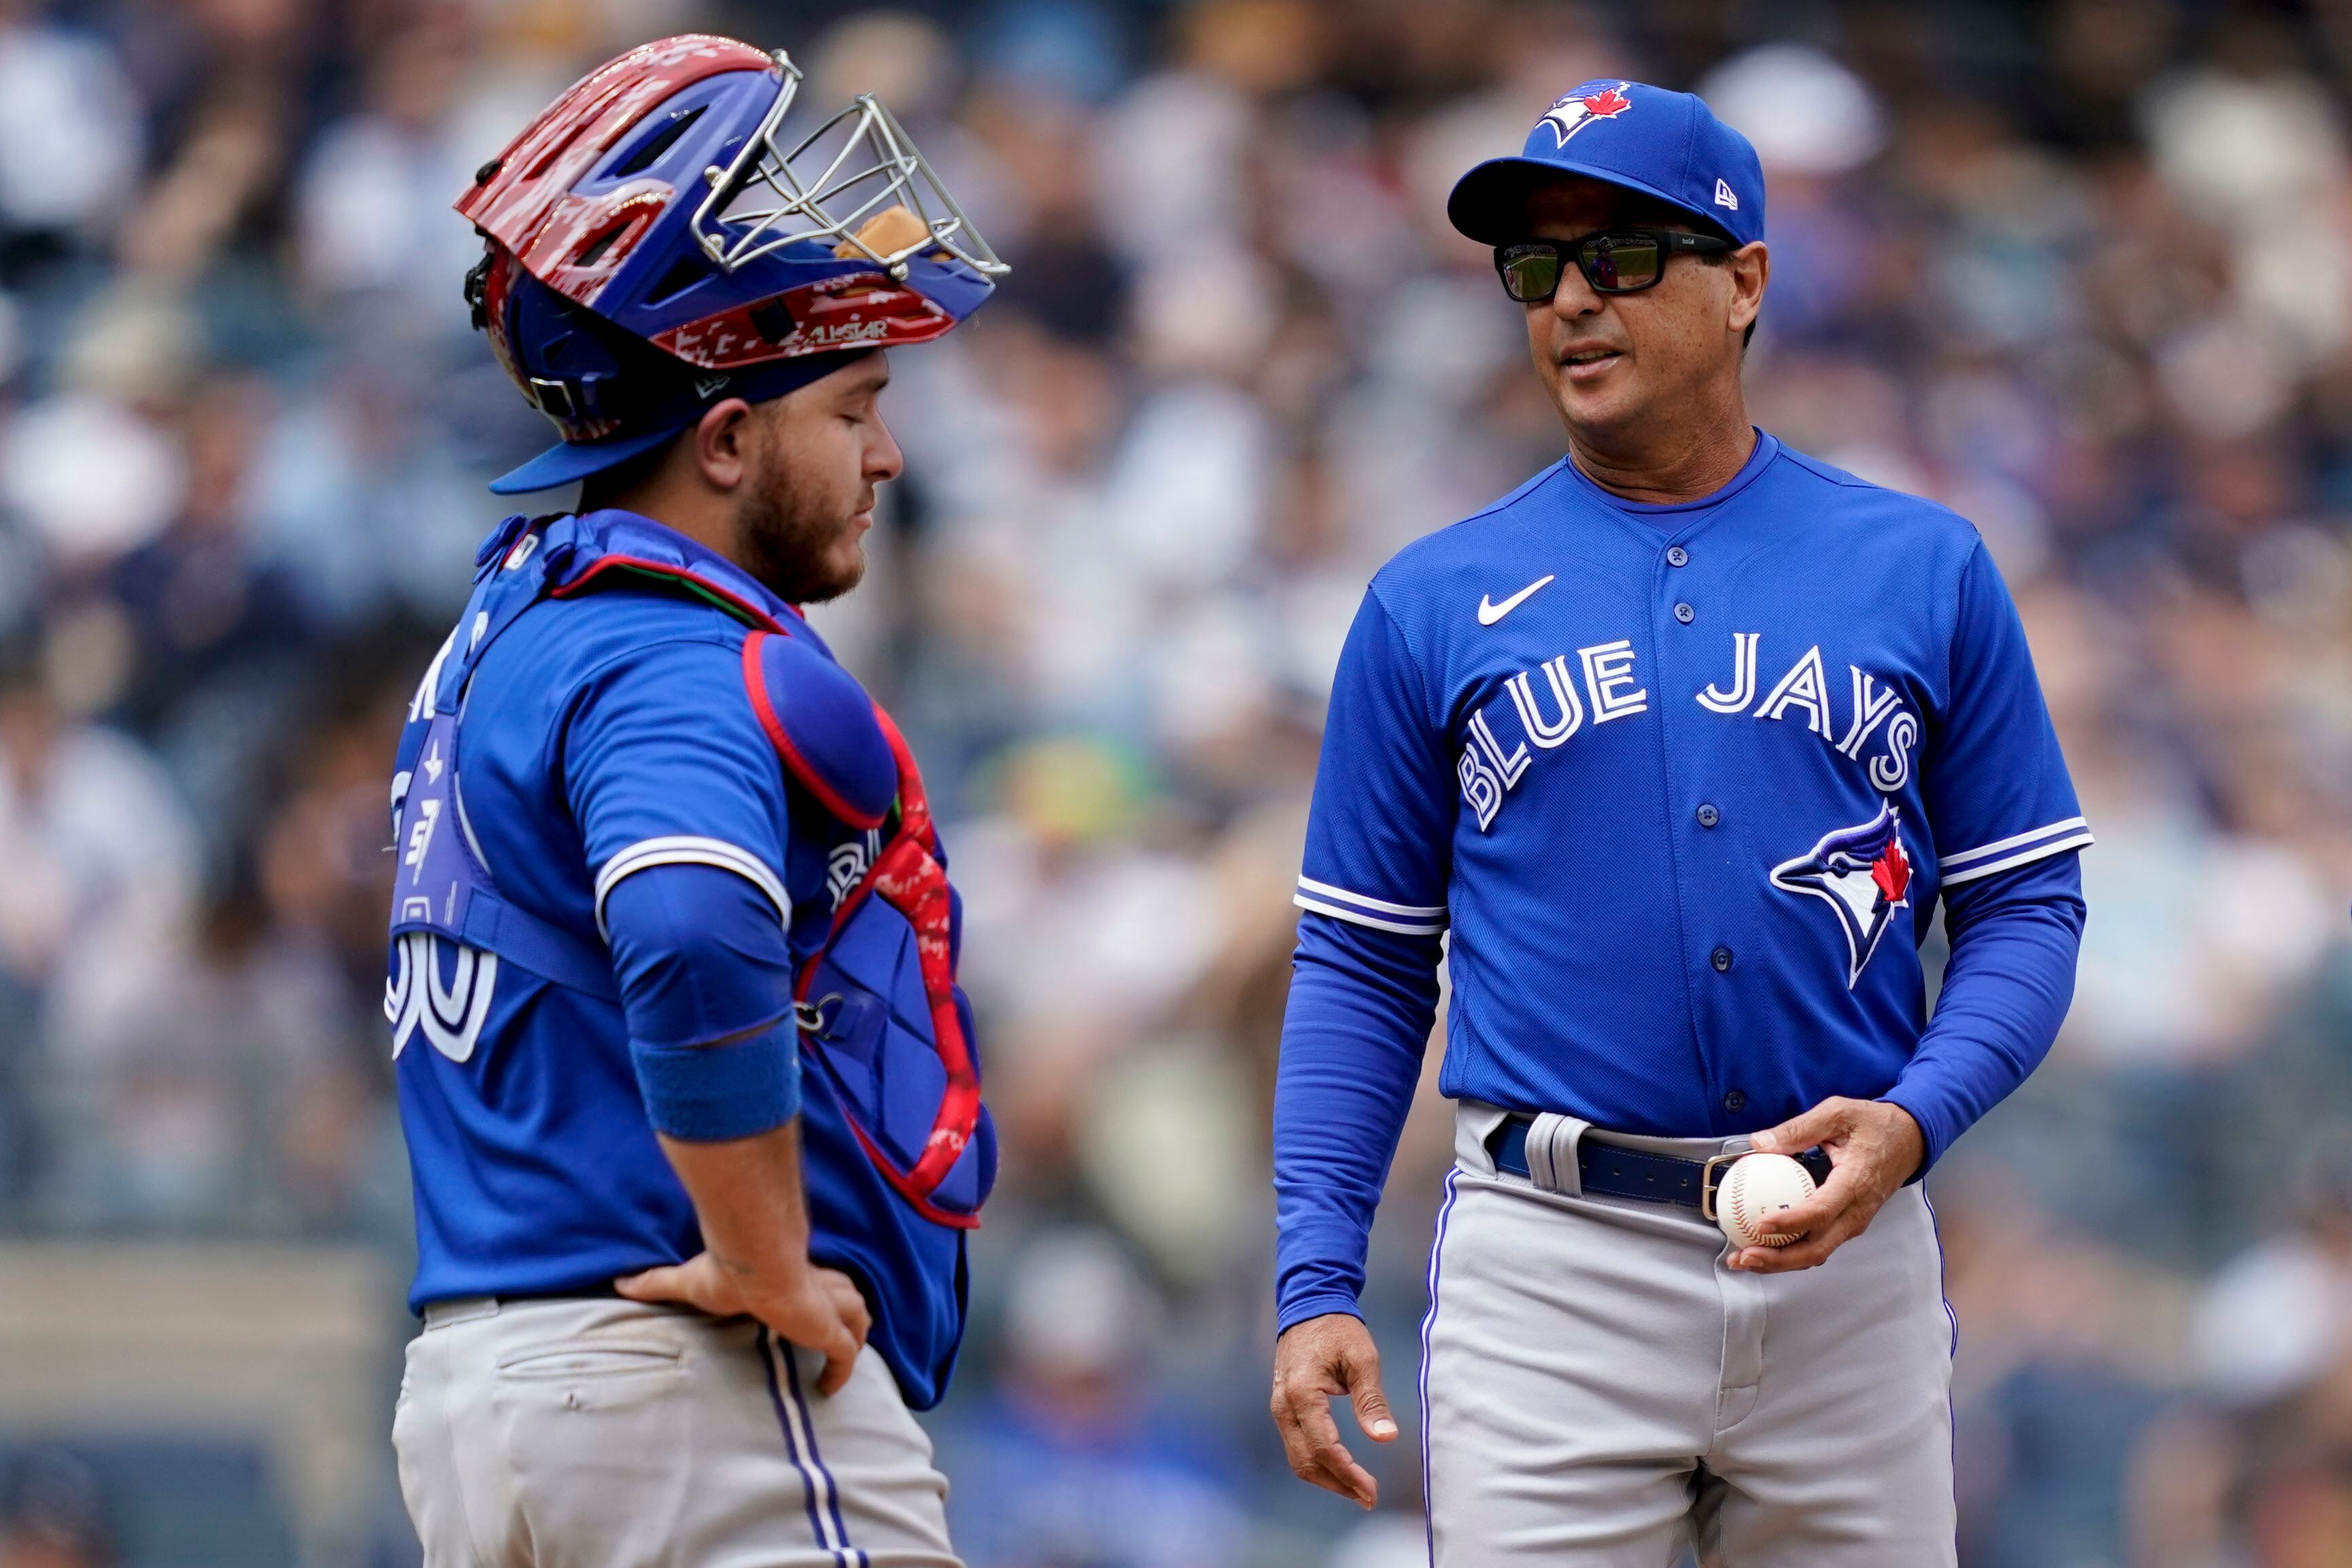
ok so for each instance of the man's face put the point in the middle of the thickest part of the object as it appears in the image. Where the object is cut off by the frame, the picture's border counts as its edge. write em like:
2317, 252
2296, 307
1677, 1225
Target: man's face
1612, 360
817, 456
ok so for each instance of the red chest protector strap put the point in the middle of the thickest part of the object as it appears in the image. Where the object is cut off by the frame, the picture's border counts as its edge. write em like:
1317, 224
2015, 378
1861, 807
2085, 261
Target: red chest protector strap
845, 751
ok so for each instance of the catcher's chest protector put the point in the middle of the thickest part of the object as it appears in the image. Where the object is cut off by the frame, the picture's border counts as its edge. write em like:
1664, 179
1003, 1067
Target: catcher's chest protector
890, 1028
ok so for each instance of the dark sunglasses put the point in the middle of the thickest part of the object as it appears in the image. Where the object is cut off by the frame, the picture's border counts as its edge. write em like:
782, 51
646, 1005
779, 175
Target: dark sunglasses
1615, 261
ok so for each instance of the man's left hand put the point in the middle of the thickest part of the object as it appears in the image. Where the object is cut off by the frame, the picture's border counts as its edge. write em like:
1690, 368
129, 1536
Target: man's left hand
1873, 1147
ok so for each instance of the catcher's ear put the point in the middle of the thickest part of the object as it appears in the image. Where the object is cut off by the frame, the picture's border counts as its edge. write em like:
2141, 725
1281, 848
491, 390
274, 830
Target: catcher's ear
721, 437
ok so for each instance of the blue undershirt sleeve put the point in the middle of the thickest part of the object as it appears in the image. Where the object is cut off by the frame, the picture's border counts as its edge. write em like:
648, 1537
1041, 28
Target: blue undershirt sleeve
705, 982
1363, 989
2008, 834
1362, 1004
2014, 936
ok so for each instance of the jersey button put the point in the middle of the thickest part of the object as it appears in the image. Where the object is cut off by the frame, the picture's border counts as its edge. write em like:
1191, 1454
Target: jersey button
1708, 816
1734, 1101
1677, 556
1720, 958
1685, 614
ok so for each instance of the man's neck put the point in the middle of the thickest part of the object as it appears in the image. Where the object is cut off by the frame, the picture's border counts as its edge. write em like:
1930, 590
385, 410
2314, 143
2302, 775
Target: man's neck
1665, 471
709, 524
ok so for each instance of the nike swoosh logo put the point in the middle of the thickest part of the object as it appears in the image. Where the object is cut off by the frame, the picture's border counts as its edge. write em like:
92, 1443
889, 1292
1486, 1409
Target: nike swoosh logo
1489, 613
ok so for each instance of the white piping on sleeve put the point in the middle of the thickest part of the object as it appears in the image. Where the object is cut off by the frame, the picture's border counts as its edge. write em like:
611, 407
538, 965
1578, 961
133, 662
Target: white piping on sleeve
1340, 912
1981, 851
1308, 885
685, 849
2078, 840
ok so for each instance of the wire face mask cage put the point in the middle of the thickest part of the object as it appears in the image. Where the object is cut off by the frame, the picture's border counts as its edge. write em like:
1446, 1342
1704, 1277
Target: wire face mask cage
856, 182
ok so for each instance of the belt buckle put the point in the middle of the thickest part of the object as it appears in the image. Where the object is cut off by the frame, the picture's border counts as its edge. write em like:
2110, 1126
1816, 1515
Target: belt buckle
1707, 1181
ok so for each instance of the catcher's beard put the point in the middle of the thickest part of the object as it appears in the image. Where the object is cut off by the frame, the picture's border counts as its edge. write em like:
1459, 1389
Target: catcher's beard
800, 542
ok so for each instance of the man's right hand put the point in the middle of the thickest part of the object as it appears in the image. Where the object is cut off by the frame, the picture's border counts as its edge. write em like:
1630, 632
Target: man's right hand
1313, 1361
816, 1308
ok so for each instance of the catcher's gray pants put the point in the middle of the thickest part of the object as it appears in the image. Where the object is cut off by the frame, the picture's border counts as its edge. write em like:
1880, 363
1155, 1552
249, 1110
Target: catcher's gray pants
1599, 1391
609, 1433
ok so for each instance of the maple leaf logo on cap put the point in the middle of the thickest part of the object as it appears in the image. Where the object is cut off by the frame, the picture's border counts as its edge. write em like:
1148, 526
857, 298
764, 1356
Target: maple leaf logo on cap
1581, 106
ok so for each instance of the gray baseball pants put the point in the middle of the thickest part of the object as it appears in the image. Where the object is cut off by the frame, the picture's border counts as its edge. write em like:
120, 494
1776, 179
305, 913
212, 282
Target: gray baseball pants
1599, 1391
610, 1433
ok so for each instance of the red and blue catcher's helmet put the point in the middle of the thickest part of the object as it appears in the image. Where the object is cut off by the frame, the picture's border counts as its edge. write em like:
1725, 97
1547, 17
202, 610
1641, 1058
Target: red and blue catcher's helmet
657, 241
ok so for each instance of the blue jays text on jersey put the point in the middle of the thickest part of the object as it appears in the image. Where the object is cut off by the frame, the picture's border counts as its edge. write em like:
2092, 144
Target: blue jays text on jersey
1684, 785
653, 842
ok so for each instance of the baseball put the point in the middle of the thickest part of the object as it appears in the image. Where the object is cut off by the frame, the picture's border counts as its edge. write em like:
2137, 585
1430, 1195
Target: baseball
1756, 1188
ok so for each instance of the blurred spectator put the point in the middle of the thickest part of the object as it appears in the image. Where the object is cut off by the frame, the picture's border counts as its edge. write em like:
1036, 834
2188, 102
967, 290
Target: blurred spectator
2064, 1378
55, 1516
70, 139
92, 476
100, 854
372, 199
2273, 1321
1069, 1464
210, 617
214, 1083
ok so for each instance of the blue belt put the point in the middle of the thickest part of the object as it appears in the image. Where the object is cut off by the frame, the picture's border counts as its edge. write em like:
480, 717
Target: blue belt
1613, 1172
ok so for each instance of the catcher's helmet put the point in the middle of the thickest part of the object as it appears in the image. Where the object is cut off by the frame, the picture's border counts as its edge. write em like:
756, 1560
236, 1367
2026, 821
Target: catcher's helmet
656, 243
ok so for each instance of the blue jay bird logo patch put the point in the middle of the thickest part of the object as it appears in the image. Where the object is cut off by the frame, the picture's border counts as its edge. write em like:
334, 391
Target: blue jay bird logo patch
1862, 872
1581, 106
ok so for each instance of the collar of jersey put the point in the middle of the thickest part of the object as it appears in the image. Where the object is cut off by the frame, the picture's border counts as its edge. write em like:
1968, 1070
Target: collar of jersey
1766, 449
586, 548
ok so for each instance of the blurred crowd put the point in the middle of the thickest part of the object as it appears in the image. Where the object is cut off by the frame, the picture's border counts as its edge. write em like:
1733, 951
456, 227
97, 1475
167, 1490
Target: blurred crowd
2082, 271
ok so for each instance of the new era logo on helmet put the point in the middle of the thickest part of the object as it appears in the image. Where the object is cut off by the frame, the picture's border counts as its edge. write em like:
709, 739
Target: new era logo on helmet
1723, 197
1581, 106
705, 386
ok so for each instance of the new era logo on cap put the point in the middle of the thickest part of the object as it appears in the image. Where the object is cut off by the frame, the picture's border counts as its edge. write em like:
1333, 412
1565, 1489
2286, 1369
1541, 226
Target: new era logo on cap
1724, 198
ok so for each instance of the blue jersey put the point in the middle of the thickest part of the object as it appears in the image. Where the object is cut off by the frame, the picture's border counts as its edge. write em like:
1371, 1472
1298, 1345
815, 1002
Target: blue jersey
609, 739
1683, 786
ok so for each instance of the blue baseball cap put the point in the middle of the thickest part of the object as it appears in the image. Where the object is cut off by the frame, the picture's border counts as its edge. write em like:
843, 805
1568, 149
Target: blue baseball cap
663, 417
570, 460
1665, 144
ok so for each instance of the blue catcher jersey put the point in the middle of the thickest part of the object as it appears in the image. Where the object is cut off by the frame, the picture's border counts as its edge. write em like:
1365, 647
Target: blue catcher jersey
1683, 783
567, 738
